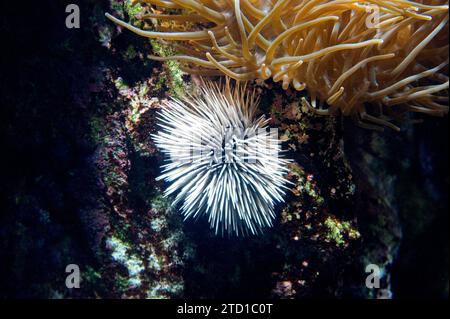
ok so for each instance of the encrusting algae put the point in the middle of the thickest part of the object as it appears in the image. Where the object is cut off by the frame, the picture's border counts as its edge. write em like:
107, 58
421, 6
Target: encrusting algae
353, 57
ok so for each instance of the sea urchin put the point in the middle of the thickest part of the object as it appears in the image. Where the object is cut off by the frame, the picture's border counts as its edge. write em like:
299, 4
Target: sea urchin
223, 162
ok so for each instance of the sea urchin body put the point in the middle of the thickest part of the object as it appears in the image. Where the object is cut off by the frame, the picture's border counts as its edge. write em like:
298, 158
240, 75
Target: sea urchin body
223, 162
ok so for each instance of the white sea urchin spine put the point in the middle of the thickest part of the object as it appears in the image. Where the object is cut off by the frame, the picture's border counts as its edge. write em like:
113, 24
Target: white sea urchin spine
222, 162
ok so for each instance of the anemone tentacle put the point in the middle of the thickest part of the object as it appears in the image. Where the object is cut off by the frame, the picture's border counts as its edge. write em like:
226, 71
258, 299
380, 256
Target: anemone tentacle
315, 45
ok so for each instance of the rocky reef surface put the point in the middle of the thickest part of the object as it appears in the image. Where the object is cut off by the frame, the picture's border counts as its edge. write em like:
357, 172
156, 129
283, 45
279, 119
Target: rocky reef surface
79, 167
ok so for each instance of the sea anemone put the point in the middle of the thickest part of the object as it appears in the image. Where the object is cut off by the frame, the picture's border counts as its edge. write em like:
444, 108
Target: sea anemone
353, 57
223, 162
